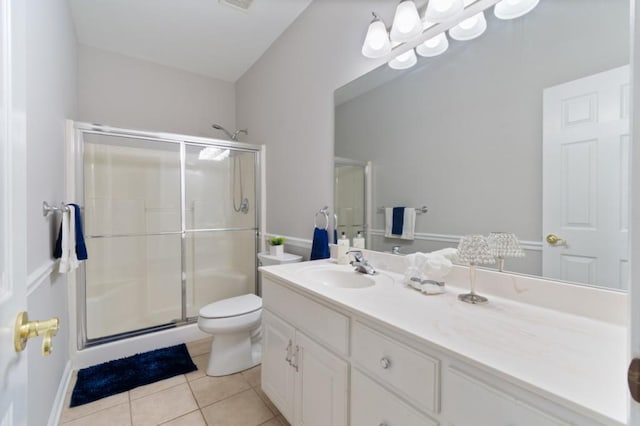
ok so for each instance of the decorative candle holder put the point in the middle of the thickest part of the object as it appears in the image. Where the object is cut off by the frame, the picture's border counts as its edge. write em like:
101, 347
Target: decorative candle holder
474, 250
503, 245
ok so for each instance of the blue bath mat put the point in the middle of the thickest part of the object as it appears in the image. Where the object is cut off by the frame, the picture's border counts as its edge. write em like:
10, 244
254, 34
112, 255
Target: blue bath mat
121, 375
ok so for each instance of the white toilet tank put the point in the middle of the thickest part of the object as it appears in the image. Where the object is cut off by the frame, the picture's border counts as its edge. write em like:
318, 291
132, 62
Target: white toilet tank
267, 260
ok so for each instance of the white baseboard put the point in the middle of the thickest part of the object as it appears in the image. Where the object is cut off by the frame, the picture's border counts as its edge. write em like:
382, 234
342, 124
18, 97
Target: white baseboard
58, 403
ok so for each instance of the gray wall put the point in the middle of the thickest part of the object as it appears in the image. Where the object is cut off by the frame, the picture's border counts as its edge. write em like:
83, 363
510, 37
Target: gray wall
286, 101
462, 133
51, 98
126, 92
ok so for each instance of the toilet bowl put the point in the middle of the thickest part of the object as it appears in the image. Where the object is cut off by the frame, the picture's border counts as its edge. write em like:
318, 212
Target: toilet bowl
235, 324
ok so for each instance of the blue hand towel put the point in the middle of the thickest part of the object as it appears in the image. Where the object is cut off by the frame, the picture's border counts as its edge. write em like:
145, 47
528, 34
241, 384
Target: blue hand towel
81, 247
320, 246
398, 221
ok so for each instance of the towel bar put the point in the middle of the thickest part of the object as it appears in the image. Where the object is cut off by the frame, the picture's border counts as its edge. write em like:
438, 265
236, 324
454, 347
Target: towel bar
324, 212
419, 210
47, 208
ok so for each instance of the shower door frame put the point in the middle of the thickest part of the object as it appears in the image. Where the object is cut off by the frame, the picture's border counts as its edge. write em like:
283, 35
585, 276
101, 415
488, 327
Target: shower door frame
75, 187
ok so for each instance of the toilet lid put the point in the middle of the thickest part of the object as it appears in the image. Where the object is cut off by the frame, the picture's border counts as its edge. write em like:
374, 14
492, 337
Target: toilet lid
232, 307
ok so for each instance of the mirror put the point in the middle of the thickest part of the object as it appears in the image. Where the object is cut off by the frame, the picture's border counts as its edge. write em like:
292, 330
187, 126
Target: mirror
470, 134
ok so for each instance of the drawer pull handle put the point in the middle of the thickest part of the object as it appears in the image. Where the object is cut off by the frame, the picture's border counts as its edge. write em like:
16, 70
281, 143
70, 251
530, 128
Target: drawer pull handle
294, 364
385, 363
288, 357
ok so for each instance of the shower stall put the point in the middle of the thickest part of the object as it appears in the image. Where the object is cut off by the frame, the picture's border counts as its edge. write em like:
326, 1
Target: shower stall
163, 228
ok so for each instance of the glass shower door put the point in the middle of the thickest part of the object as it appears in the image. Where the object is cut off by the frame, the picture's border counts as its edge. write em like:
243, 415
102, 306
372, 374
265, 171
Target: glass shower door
133, 230
220, 223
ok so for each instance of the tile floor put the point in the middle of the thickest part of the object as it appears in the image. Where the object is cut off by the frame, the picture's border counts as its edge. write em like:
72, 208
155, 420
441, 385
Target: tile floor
192, 399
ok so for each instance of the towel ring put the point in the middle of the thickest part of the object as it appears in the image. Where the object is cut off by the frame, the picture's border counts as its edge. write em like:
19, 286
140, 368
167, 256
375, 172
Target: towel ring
325, 215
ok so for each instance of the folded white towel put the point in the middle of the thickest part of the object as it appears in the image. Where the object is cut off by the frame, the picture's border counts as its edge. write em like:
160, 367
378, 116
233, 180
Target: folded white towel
64, 229
408, 225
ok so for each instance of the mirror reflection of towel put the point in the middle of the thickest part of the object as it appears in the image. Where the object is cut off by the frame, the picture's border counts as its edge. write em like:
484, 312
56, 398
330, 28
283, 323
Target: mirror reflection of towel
408, 223
320, 246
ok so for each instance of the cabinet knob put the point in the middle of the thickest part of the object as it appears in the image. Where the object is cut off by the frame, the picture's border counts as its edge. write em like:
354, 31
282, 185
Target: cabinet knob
385, 363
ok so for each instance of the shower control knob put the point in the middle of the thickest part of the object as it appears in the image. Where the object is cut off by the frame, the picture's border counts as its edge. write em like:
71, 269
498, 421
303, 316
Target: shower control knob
385, 363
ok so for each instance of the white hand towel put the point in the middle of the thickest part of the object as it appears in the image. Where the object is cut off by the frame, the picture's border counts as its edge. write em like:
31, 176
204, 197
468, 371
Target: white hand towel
64, 258
73, 256
388, 222
409, 225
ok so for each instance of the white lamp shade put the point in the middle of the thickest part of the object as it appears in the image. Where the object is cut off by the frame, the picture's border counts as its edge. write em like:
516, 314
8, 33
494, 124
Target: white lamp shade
511, 9
470, 28
434, 46
404, 60
474, 249
406, 22
443, 10
376, 43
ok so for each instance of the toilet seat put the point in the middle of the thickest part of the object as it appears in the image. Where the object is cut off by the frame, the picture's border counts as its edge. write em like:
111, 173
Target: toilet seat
232, 307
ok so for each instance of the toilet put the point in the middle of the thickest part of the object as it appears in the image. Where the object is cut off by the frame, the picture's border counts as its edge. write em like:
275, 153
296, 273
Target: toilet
235, 324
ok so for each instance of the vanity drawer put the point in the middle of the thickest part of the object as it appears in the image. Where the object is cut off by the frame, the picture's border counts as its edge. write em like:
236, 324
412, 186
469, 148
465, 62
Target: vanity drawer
316, 320
371, 404
470, 401
412, 374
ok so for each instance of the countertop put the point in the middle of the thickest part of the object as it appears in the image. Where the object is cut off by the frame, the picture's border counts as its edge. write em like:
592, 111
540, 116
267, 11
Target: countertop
576, 361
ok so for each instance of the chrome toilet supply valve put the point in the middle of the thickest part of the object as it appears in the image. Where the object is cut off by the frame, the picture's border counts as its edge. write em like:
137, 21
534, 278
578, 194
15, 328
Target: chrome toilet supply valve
25, 330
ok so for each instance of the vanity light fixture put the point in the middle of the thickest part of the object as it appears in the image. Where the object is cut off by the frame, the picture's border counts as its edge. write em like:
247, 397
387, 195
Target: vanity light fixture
406, 22
511, 9
434, 46
470, 28
404, 60
443, 10
503, 245
376, 43
474, 250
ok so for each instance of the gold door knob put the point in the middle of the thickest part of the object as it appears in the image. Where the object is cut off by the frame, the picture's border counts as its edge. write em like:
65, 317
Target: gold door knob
554, 240
25, 330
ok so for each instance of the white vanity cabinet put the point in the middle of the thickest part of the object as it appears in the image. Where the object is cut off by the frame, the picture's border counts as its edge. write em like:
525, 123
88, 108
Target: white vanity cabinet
307, 382
325, 362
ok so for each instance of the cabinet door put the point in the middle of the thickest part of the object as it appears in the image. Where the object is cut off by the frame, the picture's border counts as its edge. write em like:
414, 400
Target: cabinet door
278, 378
321, 385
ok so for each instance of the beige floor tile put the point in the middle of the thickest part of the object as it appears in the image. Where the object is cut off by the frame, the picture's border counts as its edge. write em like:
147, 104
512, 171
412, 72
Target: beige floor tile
192, 419
273, 422
199, 347
244, 409
120, 415
201, 362
208, 390
69, 414
141, 391
283, 420
72, 381
253, 376
263, 396
163, 406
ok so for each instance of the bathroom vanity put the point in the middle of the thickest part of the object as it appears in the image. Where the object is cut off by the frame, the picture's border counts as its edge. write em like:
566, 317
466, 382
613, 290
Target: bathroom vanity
344, 348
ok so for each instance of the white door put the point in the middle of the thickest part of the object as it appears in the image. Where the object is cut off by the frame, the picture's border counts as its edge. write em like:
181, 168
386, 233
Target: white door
585, 179
321, 385
277, 373
13, 366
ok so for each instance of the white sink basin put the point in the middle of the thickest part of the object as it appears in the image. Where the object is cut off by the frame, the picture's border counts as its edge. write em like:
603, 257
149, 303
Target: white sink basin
339, 276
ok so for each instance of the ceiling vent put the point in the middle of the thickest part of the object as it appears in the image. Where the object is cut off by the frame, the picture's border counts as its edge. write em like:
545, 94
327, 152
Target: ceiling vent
242, 5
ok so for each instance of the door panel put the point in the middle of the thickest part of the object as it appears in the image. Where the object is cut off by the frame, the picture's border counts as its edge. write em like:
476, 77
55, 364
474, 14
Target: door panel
585, 179
277, 374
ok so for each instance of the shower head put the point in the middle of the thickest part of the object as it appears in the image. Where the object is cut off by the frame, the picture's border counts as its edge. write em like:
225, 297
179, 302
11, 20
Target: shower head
234, 136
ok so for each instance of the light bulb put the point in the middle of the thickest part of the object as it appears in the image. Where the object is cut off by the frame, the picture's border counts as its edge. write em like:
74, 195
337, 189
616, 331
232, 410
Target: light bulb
376, 43
404, 60
511, 9
443, 10
435, 46
406, 22
470, 28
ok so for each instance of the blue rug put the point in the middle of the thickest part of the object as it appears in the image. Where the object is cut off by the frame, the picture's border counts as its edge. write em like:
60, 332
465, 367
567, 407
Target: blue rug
121, 375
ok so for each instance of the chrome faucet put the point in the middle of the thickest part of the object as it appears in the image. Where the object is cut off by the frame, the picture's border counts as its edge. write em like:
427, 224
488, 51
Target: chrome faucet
360, 263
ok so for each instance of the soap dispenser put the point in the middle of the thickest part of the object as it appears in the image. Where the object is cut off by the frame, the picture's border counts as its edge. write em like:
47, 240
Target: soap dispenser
358, 241
343, 248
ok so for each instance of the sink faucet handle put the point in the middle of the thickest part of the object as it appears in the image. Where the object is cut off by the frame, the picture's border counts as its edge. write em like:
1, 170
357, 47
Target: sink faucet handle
357, 255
